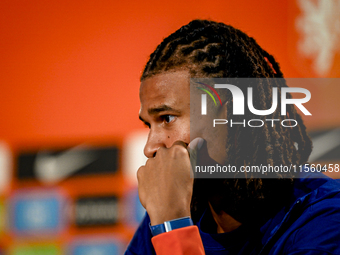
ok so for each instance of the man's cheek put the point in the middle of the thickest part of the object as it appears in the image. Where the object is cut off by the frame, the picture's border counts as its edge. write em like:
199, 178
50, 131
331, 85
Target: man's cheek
195, 132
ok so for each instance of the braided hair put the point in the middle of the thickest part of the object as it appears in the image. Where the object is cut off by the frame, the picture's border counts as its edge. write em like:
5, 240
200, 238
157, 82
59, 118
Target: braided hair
208, 49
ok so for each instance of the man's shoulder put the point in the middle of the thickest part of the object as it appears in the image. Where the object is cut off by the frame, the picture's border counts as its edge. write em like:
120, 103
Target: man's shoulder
317, 228
315, 221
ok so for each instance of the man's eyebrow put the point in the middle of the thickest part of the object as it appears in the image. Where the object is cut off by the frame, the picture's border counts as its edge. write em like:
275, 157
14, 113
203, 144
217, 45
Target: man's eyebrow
162, 108
159, 109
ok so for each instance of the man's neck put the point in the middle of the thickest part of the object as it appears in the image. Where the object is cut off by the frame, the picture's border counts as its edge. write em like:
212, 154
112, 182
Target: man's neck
225, 223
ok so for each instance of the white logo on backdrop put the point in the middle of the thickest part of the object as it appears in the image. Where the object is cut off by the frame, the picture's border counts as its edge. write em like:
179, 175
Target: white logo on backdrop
319, 26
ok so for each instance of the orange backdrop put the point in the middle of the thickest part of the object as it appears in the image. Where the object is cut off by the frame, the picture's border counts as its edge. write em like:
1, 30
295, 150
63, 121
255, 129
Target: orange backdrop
70, 69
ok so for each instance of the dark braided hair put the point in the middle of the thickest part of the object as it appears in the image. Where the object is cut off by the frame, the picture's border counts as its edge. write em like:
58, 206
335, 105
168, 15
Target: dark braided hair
215, 50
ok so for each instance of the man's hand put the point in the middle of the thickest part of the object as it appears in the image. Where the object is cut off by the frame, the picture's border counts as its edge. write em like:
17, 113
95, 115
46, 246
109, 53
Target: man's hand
164, 184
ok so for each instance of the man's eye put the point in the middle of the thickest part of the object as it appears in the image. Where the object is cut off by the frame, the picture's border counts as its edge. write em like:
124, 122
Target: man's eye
168, 118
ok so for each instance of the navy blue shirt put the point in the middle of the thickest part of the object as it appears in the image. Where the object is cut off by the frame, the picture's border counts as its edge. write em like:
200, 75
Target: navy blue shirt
310, 225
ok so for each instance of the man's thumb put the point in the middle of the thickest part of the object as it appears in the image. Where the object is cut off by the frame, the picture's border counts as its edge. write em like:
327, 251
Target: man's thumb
193, 148
196, 143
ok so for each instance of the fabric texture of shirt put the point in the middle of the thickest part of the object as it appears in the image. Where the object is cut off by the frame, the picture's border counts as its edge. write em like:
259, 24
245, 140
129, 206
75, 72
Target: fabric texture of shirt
310, 225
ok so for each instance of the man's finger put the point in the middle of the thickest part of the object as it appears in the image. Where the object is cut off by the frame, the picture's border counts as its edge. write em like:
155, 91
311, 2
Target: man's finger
196, 143
181, 143
193, 148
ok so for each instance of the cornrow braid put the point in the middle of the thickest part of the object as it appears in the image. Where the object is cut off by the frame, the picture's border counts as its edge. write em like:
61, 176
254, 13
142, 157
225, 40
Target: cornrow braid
215, 50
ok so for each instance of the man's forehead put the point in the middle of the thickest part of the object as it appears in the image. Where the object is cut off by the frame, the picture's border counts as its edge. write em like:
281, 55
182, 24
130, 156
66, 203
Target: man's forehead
167, 89
159, 104
166, 81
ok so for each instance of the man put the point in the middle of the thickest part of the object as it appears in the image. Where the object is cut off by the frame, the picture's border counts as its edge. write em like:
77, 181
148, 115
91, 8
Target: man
235, 215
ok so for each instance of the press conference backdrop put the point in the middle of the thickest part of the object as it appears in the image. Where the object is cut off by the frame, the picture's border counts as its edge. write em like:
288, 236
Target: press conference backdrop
70, 138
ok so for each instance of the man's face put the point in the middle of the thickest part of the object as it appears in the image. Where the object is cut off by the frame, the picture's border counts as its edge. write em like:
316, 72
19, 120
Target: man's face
165, 109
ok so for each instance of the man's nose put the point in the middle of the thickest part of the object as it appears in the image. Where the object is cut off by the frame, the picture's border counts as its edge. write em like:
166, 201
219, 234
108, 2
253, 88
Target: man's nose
155, 141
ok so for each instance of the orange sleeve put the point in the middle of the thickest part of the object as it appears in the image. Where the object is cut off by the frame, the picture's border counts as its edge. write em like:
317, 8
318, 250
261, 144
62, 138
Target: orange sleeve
181, 241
